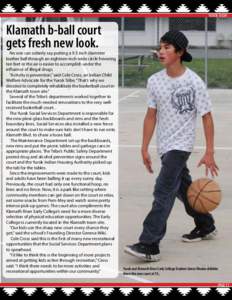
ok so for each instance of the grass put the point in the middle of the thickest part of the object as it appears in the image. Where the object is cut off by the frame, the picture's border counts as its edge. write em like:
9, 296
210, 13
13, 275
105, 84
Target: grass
219, 72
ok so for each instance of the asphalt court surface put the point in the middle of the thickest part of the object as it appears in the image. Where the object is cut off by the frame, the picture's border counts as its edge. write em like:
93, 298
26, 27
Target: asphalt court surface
205, 261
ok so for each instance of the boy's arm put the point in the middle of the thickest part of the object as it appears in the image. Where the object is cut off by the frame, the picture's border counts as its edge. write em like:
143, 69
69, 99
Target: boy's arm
148, 129
208, 158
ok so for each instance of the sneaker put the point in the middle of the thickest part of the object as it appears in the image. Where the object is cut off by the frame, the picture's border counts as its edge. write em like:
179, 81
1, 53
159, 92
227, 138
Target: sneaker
144, 251
197, 235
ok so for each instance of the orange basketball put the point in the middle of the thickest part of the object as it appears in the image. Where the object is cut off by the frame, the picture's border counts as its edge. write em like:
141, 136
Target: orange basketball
204, 195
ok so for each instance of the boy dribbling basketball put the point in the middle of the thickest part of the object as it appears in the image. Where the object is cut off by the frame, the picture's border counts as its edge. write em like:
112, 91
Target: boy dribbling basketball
175, 96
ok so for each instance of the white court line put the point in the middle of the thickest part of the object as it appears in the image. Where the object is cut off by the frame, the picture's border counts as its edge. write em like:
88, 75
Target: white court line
195, 148
129, 96
136, 278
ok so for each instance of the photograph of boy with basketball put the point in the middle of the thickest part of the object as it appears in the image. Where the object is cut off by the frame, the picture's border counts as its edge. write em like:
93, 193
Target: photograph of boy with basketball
176, 95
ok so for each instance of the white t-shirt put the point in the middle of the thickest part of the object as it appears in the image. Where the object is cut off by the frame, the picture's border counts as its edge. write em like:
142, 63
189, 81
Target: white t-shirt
177, 100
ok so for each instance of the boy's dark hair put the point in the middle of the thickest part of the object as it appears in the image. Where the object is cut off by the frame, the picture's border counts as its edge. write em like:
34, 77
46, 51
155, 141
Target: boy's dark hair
179, 41
177, 49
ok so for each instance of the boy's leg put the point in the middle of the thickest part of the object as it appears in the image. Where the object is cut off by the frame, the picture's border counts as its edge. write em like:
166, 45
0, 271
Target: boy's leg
166, 188
204, 222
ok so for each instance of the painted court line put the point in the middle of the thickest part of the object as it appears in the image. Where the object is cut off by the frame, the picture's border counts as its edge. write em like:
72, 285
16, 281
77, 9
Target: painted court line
131, 95
135, 278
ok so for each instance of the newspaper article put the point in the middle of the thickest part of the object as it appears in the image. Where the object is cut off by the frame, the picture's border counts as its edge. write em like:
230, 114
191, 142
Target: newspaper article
76, 188
60, 155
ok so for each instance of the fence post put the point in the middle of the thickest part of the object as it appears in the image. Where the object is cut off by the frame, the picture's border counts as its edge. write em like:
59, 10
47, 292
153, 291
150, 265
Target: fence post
206, 51
158, 30
123, 44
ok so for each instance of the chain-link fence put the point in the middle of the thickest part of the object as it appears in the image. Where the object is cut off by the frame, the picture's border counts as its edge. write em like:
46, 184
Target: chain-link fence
210, 43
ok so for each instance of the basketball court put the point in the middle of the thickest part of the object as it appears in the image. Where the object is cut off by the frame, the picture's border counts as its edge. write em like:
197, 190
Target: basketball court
205, 261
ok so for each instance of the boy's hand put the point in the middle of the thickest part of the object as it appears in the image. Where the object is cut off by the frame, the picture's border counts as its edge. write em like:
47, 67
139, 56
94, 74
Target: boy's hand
147, 160
209, 162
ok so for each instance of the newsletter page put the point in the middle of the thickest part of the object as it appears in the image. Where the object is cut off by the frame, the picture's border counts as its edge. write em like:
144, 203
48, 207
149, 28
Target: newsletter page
59, 150
116, 149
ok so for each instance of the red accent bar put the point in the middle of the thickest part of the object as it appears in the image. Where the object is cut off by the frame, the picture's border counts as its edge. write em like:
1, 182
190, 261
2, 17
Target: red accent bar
118, 15
116, 284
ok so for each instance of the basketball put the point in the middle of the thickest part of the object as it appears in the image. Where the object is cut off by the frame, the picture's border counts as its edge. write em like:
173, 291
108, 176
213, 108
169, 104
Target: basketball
204, 195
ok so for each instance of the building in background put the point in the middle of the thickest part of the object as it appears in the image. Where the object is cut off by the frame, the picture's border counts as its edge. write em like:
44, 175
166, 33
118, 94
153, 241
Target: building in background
147, 32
